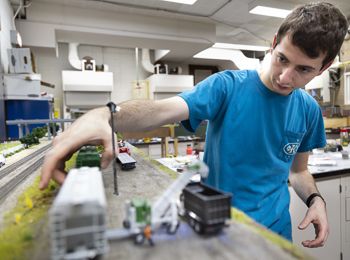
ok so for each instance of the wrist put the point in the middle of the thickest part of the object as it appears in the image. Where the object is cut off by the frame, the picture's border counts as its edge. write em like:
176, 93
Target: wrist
104, 113
113, 109
312, 198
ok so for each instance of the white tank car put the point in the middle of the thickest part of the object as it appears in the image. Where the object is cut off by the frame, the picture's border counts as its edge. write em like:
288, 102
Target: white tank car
78, 216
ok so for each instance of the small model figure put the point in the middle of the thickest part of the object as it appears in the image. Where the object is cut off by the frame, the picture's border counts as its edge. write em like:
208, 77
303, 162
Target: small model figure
147, 232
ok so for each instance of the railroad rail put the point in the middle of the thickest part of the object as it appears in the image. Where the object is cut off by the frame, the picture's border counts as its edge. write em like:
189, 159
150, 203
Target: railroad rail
10, 168
24, 167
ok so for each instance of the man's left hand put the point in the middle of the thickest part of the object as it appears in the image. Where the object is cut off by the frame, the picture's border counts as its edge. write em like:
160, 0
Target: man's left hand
316, 215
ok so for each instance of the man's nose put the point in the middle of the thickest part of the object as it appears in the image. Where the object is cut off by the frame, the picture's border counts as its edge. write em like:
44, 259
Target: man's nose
287, 75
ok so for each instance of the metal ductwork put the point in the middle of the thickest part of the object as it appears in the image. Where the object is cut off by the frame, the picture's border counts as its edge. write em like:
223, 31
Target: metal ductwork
146, 61
73, 56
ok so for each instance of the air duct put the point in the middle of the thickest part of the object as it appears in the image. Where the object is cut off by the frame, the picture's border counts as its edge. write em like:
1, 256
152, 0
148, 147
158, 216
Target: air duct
73, 55
236, 56
146, 61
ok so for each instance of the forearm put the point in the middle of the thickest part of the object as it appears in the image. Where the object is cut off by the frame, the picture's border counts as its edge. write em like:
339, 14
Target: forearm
142, 115
303, 183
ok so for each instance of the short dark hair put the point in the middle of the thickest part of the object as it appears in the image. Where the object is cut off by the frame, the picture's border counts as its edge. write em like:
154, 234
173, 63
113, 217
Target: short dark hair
315, 28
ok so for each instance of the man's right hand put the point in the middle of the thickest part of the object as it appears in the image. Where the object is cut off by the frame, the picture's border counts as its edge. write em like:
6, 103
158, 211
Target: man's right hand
92, 128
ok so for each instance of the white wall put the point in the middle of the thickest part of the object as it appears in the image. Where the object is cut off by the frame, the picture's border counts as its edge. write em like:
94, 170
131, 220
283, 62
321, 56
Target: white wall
6, 24
6, 15
121, 62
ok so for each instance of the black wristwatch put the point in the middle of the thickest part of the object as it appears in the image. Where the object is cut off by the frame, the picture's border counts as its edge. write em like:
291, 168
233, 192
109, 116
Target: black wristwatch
313, 195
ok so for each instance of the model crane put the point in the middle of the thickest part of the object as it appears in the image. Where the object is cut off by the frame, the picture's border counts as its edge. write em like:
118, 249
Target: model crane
139, 214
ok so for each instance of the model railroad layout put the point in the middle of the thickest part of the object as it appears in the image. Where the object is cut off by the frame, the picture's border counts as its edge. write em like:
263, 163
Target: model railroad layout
14, 174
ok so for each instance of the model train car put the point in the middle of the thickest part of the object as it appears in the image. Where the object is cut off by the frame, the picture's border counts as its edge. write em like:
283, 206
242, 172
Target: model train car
88, 156
78, 213
206, 209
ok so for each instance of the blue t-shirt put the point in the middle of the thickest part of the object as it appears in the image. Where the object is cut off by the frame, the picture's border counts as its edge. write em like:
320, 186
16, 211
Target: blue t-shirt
252, 136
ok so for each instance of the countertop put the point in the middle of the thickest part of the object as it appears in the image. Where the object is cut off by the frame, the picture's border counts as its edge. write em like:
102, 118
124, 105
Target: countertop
329, 164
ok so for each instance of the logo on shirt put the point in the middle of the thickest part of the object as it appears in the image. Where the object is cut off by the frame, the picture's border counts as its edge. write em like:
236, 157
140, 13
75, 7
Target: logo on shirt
291, 148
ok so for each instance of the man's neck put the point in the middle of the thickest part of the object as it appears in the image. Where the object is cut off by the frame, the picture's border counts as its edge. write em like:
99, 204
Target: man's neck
265, 79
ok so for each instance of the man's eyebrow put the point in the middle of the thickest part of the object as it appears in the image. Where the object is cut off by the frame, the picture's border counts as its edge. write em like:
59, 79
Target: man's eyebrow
299, 66
283, 56
306, 67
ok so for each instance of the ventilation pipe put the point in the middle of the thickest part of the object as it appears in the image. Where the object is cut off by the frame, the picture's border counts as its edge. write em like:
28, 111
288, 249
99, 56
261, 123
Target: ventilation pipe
73, 56
236, 56
146, 61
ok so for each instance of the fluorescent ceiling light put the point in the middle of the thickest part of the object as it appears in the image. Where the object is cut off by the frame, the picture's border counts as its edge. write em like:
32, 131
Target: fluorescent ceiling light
186, 2
270, 11
240, 47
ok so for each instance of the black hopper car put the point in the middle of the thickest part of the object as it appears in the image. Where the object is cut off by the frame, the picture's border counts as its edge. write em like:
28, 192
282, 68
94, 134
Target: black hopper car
206, 209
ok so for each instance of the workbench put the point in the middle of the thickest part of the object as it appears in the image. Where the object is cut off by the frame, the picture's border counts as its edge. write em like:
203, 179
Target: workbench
242, 239
237, 241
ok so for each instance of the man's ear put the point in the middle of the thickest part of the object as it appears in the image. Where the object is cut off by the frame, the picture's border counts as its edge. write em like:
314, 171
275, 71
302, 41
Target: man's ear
325, 67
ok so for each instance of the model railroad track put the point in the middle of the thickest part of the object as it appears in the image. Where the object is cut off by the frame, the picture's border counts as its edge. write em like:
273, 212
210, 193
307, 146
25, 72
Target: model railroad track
19, 178
22, 169
7, 170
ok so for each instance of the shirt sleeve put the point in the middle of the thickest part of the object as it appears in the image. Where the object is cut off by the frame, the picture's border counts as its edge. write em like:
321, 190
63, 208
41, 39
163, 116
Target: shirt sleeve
205, 100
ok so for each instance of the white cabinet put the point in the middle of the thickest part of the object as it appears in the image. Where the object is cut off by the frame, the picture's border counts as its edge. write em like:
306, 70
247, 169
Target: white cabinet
164, 85
330, 190
345, 217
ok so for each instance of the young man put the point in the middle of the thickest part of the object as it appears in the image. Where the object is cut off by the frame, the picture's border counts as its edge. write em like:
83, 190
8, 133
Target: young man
261, 124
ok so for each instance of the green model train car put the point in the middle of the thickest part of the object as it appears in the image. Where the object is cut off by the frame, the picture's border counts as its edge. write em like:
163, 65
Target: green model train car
88, 156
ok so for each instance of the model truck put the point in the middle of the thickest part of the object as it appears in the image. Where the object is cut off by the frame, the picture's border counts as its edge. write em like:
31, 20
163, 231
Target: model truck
206, 208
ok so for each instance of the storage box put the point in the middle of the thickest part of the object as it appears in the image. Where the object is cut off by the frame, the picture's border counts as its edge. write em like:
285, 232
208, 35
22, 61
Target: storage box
20, 60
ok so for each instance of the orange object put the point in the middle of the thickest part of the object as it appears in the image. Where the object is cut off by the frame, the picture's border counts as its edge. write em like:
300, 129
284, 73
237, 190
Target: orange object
189, 150
147, 231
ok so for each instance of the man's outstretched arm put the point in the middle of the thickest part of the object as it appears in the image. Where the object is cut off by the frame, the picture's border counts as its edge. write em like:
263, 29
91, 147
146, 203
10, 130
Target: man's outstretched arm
94, 128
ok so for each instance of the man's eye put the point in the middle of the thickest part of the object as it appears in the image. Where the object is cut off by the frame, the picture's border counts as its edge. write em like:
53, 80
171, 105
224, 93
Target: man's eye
304, 70
282, 59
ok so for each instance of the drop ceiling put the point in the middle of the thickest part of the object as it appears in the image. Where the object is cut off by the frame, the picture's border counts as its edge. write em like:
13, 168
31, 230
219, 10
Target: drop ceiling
232, 21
